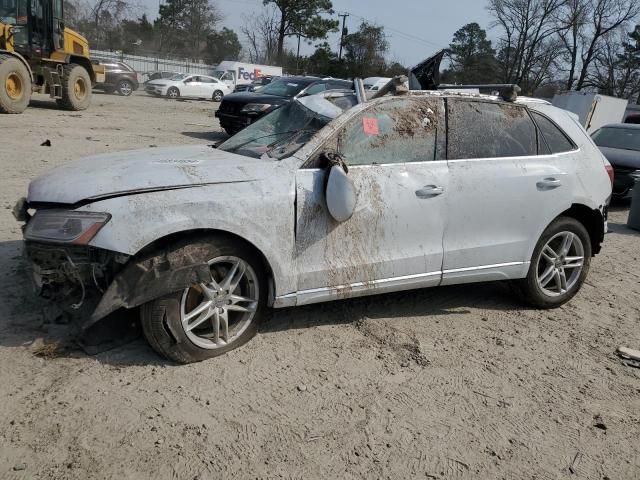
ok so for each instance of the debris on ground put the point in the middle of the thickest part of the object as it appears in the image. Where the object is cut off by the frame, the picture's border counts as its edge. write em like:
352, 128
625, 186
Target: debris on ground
629, 356
47, 350
598, 422
46, 143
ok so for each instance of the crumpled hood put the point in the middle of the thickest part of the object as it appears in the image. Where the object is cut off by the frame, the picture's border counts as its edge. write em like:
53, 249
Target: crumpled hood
619, 157
150, 169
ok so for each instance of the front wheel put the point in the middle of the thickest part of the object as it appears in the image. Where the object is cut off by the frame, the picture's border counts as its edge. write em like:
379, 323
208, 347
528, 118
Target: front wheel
209, 319
217, 96
173, 92
76, 88
559, 265
15, 85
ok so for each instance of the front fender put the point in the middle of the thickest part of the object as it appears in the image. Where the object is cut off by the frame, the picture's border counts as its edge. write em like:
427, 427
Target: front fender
154, 275
266, 222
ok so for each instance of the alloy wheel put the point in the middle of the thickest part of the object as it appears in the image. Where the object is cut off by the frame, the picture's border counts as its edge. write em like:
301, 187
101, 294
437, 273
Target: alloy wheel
125, 88
560, 264
215, 314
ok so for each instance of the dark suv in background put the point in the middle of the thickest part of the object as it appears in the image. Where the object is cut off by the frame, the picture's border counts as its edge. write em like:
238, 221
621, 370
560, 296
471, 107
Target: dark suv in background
241, 109
256, 84
119, 77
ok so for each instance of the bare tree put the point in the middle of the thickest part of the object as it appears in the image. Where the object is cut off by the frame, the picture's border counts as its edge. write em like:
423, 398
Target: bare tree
527, 28
605, 16
106, 15
261, 33
616, 68
573, 20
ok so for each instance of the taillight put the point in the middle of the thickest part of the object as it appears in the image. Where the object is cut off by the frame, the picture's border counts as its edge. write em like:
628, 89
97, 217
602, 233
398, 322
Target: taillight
609, 170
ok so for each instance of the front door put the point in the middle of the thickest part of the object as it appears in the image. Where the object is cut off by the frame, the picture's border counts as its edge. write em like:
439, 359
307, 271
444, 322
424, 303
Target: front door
505, 188
192, 87
395, 154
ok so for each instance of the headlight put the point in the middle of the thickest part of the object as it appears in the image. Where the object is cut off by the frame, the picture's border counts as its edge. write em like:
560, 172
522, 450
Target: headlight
255, 107
64, 226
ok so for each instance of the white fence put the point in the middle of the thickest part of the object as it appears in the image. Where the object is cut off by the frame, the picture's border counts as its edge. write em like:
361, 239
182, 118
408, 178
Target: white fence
148, 64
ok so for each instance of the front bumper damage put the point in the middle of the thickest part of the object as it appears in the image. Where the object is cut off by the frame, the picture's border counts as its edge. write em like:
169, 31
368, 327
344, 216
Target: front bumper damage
93, 286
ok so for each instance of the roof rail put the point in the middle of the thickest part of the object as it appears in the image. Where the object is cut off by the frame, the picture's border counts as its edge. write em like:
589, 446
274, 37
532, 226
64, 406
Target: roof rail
507, 91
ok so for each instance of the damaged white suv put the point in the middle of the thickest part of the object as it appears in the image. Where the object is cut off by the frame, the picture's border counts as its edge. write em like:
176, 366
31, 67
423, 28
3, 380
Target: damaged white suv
325, 198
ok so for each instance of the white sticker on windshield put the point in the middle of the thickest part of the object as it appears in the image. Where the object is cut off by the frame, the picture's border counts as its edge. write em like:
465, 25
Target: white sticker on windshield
292, 84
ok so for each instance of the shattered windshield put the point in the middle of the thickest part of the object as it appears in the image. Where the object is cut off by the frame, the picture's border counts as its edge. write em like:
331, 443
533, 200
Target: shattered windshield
279, 134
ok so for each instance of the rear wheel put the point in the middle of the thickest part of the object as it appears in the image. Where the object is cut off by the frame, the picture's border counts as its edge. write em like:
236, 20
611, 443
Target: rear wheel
217, 96
559, 265
76, 88
209, 319
125, 87
173, 92
15, 85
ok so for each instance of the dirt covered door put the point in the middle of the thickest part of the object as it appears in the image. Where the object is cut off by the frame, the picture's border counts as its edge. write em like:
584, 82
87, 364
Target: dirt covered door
395, 154
505, 190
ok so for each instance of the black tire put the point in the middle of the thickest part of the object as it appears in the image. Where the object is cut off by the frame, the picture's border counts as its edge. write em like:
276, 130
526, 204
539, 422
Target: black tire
161, 318
217, 96
76, 88
15, 85
125, 87
173, 92
529, 290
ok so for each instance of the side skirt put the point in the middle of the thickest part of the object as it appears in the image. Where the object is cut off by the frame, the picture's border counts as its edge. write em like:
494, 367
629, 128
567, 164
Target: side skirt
485, 273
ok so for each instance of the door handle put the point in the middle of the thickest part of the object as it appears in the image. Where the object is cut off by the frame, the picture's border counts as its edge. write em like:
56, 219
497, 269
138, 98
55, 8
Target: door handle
429, 191
548, 183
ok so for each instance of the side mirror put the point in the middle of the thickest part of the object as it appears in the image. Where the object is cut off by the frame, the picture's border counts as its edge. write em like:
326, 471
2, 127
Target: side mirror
340, 192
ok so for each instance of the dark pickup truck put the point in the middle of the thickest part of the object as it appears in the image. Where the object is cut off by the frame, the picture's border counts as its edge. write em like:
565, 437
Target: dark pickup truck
239, 110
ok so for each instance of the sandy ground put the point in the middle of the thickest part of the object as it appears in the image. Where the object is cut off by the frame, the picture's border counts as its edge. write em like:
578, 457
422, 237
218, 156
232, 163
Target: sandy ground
457, 382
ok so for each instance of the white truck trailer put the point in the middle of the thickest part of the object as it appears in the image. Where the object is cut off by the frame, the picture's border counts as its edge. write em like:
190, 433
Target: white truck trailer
240, 73
593, 110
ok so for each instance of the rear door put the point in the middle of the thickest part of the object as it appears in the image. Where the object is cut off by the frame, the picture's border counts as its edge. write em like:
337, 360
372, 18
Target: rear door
505, 189
207, 86
395, 154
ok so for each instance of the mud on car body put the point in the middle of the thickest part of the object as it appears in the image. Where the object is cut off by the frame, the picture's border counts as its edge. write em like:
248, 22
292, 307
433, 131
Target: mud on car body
320, 200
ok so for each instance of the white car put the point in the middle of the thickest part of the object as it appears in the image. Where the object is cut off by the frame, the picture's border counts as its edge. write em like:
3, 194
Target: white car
373, 84
184, 85
322, 199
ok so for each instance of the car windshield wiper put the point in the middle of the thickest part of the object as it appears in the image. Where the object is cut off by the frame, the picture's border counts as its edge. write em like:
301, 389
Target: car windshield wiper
235, 149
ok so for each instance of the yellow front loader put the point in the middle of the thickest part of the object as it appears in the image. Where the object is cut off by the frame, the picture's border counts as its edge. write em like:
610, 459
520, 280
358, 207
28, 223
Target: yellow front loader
39, 54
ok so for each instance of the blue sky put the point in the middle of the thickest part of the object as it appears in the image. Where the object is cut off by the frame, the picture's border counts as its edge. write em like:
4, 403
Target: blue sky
415, 28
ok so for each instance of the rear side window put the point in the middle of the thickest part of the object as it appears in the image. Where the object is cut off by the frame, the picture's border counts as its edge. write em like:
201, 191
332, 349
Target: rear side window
555, 138
489, 130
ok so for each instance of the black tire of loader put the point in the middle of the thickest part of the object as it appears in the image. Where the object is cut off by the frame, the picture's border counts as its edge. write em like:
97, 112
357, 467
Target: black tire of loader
11, 65
72, 73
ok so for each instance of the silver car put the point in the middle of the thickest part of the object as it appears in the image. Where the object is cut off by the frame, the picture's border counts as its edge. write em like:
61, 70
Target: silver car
320, 200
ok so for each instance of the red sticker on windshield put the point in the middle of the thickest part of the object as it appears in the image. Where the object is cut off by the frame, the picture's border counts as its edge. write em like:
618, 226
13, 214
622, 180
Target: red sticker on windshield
370, 126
